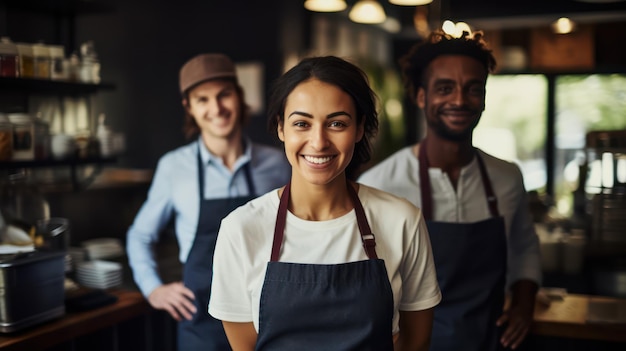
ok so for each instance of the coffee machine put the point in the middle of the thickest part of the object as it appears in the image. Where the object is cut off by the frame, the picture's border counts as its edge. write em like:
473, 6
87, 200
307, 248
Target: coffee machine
606, 184
33, 250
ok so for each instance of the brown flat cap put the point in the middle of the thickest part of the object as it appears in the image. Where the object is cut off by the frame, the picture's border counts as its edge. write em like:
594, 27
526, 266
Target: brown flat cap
205, 67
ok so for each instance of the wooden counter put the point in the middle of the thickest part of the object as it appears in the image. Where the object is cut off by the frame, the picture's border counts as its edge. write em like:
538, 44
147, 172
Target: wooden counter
130, 304
582, 317
573, 317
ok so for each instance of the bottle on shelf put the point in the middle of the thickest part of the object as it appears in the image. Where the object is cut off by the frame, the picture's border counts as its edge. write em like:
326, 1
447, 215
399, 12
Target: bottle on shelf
105, 137
73, 69
90, 65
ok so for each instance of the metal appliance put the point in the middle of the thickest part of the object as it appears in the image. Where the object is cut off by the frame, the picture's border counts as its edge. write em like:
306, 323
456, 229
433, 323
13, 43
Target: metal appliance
31, 289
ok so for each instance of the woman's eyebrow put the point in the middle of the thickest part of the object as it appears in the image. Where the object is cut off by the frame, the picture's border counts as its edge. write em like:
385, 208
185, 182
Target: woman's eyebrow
339, 113
299, 113
331, 115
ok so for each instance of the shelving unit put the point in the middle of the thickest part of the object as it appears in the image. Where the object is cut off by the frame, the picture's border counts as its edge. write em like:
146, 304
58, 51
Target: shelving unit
16, 92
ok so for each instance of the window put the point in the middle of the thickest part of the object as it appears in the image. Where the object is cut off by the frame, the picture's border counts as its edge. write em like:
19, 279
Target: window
515, 126
584, 103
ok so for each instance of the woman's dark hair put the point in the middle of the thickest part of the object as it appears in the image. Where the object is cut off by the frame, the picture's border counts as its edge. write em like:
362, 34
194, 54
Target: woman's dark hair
346, 76
190, 127
438, 43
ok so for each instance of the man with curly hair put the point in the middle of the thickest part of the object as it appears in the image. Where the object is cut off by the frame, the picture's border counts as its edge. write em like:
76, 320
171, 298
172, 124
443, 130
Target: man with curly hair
475, 205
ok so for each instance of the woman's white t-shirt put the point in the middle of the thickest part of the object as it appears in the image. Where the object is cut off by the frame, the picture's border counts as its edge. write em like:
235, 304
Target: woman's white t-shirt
244, 246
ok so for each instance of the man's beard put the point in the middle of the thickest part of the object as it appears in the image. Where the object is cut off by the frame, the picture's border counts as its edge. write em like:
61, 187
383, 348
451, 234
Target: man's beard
441, 129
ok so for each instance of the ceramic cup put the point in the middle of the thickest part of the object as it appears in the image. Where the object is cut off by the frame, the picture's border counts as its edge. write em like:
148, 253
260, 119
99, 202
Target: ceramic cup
62, 146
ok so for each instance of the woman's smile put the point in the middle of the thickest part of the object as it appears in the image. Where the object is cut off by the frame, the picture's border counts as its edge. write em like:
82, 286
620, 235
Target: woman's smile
318, 160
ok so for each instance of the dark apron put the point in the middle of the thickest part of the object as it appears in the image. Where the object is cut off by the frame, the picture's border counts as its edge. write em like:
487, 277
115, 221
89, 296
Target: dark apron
326, 307
203, 332
470, 259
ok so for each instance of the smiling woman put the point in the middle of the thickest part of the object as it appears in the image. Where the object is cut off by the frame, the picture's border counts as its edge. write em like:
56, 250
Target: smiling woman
329, 280
320, 132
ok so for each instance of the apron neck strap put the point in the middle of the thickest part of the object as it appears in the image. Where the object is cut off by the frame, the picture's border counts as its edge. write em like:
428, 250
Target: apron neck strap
492, 200
367, 237
281, 219
426, 189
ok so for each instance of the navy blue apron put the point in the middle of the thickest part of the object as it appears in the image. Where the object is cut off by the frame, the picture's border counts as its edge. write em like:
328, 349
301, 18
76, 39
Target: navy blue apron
203, 332
470, 259
326, 307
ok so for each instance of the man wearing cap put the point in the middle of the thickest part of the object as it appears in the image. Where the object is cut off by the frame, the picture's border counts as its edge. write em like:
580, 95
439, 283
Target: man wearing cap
199, 184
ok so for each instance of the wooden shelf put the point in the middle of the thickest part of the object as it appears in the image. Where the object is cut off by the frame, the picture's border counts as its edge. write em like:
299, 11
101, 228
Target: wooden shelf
72, 162
50, 87
75, 181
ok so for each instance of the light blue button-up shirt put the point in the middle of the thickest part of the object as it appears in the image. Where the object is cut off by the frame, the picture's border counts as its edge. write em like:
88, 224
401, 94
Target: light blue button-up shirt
175, 192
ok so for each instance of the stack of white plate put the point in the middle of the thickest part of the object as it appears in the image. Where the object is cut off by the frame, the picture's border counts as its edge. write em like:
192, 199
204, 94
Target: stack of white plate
75, 255
99, 274
103, 248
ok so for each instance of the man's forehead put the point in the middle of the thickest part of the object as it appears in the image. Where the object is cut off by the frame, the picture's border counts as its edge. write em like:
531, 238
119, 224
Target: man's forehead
452, 65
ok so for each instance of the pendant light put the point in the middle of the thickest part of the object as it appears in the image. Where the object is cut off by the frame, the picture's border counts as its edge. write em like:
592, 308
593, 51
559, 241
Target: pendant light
325, 5
456, 30
367, 11
410, 2
563, 25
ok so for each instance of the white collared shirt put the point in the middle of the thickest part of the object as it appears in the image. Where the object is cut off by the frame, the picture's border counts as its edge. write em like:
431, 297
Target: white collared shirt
399, 175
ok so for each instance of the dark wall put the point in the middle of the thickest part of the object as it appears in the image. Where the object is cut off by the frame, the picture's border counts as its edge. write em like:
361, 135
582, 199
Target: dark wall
465, 10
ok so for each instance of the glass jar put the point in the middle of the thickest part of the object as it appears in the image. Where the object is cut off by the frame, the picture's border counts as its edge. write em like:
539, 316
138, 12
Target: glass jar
27, 60
41, 55
9, 58
30, 137
57, 55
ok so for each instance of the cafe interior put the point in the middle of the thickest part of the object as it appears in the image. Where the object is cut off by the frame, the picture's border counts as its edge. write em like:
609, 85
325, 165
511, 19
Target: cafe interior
101, 118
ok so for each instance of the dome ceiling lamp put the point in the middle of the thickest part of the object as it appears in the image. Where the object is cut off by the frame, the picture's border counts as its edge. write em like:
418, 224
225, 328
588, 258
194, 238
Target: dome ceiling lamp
368, 12
363, 11
563, 25
410, 2
325, 5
